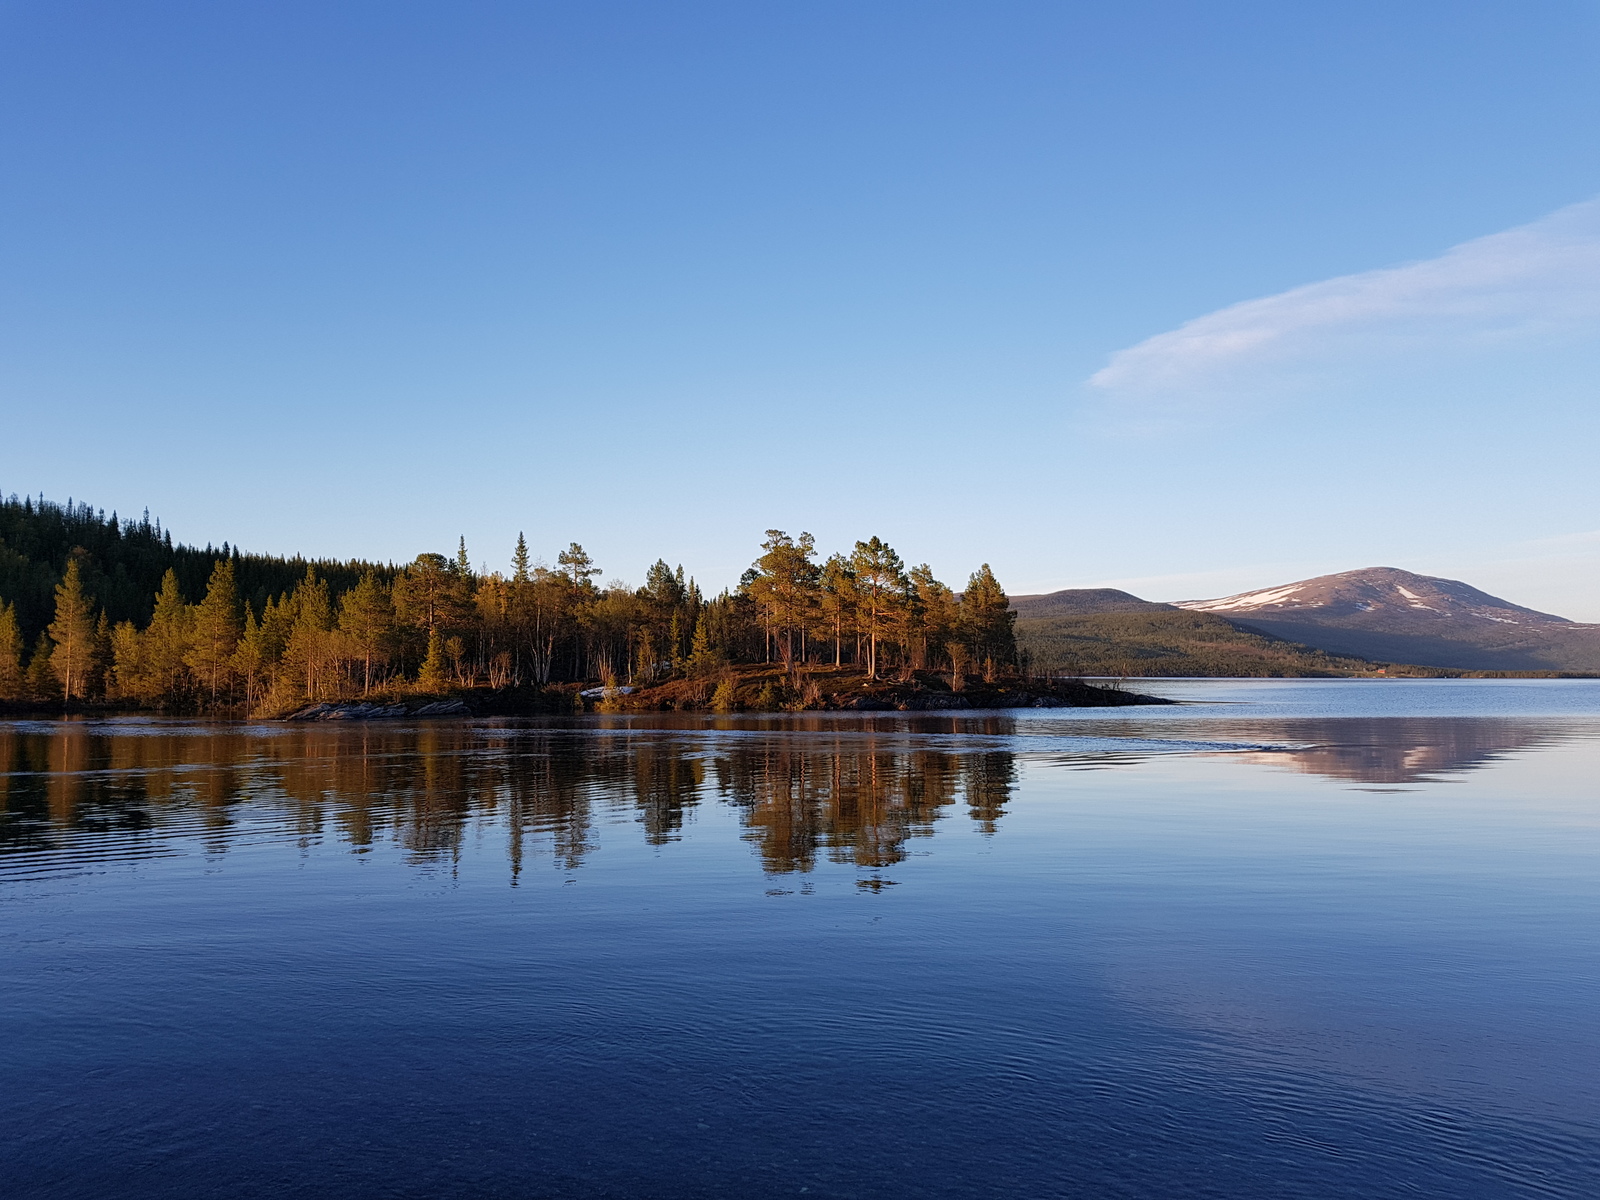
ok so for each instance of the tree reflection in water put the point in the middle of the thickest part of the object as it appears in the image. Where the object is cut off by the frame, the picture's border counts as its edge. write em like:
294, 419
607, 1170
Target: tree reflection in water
859, 804
855, 790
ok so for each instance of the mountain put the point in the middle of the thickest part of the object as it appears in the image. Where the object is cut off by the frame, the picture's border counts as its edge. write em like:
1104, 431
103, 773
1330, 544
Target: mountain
1159, 640
1079, 602
1390, 615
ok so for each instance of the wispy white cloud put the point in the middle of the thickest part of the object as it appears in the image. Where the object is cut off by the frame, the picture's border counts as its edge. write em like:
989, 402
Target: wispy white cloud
1512, 288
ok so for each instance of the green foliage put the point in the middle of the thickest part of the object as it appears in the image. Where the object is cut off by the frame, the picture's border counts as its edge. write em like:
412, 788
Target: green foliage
11, 654
520, 562
72, 633
270, 634
367, 619
987, 622
783, 586
122, 563
215, 635
881, 586
432, 678
41, 682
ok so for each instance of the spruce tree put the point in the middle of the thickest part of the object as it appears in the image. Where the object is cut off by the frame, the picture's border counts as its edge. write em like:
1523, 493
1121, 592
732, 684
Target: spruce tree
366, 617
215, 634
167, 639
73, 634
703, 658
431, 678
101, 657
250, 657
41, 682
11, 651
131, 678
307, 654
520, 561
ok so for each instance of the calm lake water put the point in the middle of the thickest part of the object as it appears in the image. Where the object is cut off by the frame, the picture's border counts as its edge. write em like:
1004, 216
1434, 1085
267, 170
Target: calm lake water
1292, 939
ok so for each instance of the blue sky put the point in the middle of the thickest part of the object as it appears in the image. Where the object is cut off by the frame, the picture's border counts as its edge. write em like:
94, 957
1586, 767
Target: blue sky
1187, 298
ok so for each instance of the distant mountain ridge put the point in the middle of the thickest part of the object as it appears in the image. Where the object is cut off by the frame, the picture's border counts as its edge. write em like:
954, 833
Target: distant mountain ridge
1391, 615
1077, 602
1418, 601
1377, 614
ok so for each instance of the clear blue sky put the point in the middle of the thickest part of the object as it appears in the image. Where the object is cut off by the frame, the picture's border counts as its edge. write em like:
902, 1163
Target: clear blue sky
362, 278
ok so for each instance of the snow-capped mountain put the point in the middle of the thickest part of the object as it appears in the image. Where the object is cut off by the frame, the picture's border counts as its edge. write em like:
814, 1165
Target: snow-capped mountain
1398, 616
1395, 598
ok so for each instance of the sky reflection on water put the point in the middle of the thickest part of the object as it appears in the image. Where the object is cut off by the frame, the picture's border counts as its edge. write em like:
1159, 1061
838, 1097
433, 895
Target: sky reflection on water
1282, 945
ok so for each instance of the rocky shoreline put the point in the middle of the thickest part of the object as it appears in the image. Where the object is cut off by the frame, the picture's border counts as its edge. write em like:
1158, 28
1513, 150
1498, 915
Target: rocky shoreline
366, 711
755, 690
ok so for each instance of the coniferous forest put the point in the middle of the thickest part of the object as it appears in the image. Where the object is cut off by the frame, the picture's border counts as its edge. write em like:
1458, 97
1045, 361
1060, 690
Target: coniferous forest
103, 610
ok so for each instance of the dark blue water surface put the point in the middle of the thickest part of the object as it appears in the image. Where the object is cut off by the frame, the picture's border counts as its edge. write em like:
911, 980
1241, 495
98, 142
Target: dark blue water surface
1334, 939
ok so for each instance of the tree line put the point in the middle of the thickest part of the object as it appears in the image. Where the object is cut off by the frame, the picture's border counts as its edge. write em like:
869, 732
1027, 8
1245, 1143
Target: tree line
435, 624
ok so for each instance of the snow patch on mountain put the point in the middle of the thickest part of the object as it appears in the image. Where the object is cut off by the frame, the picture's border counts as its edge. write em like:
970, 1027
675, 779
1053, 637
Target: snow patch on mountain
1249, 600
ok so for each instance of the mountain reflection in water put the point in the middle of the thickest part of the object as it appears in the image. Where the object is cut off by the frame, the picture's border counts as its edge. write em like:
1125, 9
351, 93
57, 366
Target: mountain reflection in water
1201, 955
855, 791
1397, 750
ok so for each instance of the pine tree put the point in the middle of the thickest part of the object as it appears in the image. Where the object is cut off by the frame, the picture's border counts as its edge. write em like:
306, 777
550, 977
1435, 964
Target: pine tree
366, 617
215, 634
880, 590
936, 614
430, 594
251, 658
73, 634
988, 622
130, 675
784, 586
11, 651
167, 639
307, 654
837, 601
578, 566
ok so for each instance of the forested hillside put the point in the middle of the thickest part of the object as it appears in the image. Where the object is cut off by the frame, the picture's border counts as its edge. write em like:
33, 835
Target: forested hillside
1166, 641
121, 563
95, 608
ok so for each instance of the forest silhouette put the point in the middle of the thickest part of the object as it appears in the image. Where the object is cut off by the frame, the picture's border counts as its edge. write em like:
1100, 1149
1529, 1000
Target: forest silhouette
95, 609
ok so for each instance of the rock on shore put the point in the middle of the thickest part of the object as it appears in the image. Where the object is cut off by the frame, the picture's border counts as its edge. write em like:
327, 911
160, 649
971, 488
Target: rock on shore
362, 711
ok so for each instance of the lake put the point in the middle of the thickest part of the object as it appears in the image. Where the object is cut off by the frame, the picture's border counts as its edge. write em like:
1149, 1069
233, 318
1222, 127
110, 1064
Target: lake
1287, 939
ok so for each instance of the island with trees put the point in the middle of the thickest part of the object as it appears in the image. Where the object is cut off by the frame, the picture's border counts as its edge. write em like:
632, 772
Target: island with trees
96, 612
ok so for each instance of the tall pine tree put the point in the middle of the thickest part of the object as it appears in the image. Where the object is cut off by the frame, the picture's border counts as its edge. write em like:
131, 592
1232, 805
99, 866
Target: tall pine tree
880, 577
215, 635
366, 617
988, 622
11, 651
72, 632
